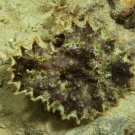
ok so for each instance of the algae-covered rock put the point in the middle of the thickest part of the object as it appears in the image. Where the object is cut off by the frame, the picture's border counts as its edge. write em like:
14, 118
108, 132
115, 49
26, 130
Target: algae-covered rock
123, 12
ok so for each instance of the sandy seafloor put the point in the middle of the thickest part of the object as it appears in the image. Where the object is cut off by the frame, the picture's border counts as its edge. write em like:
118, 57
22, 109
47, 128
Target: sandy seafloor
20, 22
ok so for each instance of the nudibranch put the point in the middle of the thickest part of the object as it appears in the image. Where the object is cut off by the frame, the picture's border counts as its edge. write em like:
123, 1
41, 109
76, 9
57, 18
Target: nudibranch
82, 78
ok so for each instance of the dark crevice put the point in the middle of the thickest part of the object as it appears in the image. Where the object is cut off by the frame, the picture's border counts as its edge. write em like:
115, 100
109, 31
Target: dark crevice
59, 40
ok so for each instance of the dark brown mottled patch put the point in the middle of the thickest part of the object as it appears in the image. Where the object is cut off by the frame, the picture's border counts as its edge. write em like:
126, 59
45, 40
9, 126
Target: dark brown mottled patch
75, 76
120, 73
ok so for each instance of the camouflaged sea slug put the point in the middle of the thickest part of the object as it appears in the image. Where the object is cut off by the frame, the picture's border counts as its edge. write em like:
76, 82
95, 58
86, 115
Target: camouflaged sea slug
83, 76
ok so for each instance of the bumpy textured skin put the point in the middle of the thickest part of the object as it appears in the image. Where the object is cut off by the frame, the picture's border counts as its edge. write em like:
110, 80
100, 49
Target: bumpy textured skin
82, 78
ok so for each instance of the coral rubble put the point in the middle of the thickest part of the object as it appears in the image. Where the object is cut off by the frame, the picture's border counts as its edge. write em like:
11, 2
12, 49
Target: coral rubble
83, 76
